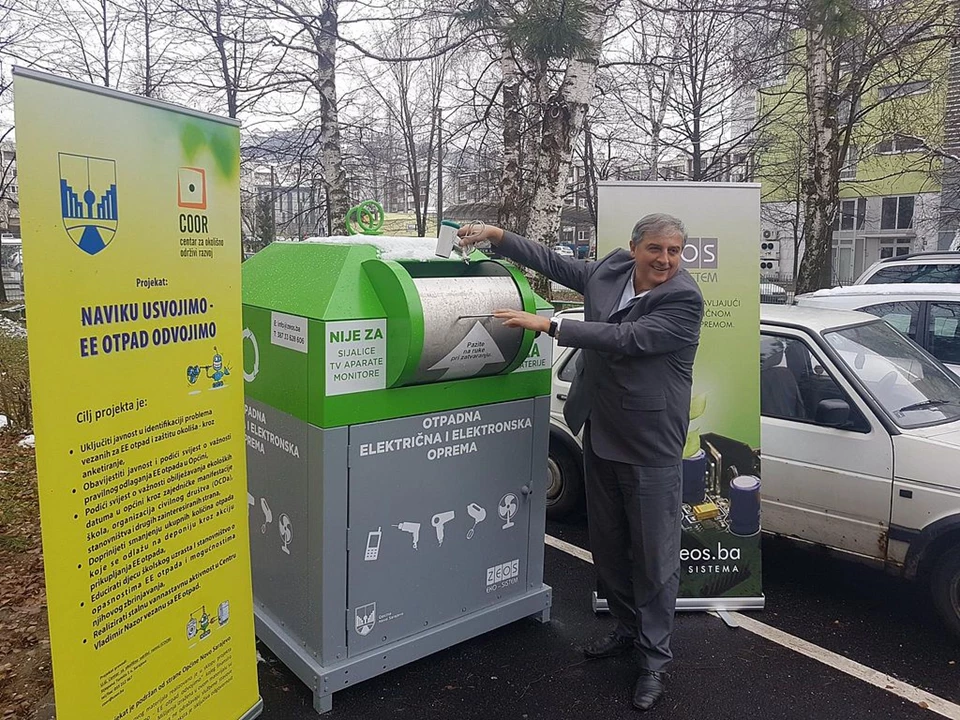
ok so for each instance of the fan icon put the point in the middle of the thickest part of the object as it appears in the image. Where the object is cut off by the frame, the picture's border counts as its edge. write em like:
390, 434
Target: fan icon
507, 509
286, 531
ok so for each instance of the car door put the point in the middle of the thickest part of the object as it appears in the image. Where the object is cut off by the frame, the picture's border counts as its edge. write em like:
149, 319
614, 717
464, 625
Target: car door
825, 484
943, 333
565, 370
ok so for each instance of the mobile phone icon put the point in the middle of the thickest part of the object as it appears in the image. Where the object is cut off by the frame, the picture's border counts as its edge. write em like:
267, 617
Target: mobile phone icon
373, 545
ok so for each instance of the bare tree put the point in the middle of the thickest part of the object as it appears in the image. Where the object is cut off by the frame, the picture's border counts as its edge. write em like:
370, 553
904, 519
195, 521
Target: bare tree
548, 56
412, 104
563, 119
309, 40
784, 162
850, 49
89, 38
232, 60
154, 45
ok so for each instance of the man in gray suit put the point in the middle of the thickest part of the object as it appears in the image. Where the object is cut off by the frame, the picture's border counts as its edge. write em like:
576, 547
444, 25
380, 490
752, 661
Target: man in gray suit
631, 394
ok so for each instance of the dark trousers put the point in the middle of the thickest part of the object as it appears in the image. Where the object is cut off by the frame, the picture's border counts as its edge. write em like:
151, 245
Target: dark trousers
634, 518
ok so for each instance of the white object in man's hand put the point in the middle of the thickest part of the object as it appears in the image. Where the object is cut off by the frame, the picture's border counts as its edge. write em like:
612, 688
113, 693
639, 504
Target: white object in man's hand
477, 232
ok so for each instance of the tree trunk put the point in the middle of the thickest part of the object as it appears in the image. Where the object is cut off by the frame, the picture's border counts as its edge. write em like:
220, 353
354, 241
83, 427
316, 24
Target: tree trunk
331, 159
439, 169
591, 174
105, 39
147, 69
5, 224
510, 211
562, 121
220, 41
821, 184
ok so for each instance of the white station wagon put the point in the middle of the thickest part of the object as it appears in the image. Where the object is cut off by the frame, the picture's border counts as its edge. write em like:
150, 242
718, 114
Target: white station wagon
860, 445
928, 314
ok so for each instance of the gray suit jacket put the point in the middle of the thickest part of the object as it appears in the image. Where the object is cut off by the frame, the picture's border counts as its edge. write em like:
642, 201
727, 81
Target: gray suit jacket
636, 369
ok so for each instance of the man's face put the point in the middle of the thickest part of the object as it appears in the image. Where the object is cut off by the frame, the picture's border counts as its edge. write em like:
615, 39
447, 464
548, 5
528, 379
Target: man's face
657, 257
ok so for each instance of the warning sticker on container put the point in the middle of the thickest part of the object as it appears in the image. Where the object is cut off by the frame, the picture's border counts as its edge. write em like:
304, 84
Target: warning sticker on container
470, 356
356, 356
288, 331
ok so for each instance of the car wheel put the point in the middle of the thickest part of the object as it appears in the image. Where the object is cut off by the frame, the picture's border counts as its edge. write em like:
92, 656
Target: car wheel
564, 481
945, 588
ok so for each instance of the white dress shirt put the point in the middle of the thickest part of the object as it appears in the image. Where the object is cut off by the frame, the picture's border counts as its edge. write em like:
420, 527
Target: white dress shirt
627, 298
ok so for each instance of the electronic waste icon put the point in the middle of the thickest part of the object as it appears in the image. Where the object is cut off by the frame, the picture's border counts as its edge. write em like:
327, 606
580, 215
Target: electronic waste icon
373, 545
507, 509
478, 514
439, 520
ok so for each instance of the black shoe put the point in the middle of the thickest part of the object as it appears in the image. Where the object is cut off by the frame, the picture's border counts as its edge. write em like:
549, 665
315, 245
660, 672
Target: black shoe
610, 645
648, 690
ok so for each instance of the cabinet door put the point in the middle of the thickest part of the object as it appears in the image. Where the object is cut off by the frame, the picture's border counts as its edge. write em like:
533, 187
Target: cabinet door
453, 483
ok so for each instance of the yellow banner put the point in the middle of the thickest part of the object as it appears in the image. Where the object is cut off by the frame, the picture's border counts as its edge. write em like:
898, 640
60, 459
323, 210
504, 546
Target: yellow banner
131, 241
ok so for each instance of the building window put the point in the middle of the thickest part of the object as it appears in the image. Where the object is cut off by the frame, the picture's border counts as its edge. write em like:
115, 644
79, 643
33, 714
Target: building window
851, 216
915, 87
895, 247
899, 144
896, 213
741, 170
844, 110
670, 172
461, 191
581, 202
583, 236
848, 170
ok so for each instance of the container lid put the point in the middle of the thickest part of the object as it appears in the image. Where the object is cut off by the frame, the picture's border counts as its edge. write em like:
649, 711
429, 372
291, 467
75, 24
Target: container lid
745, 482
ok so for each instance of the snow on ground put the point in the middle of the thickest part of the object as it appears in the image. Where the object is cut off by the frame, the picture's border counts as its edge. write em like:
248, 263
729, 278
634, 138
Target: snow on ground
11, 328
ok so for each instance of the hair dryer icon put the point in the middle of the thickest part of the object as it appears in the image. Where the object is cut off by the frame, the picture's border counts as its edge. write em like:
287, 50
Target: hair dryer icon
439, 520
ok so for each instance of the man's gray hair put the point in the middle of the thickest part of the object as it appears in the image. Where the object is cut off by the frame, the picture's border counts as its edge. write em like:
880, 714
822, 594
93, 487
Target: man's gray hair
656, 223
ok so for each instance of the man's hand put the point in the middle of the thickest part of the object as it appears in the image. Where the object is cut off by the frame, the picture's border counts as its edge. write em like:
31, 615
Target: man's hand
525, 320
473, 233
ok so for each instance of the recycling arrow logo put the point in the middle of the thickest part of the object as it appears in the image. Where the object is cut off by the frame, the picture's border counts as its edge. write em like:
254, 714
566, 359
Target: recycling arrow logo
469, 357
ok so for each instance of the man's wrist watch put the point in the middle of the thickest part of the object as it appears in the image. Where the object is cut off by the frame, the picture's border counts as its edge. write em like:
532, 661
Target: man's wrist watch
554, 325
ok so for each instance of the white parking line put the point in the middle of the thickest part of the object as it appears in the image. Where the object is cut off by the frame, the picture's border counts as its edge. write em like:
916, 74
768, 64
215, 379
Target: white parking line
568, 548
919, 697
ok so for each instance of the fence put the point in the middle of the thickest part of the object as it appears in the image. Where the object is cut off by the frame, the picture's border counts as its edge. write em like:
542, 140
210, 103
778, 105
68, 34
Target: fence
13, 285
777, 289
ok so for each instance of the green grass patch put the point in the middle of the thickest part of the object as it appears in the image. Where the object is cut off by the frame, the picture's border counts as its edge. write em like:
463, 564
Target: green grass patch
15, 384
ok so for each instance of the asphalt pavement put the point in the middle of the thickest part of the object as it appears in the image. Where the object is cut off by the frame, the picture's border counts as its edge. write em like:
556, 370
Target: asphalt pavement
530, 671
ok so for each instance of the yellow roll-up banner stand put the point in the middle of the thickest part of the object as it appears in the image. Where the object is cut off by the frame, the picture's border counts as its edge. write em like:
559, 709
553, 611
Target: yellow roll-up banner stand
131, 239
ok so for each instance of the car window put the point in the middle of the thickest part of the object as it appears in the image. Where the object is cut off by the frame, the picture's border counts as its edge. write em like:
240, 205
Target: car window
910, 387
921, 273
794, 384
943, 329
903, 316
569, 369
